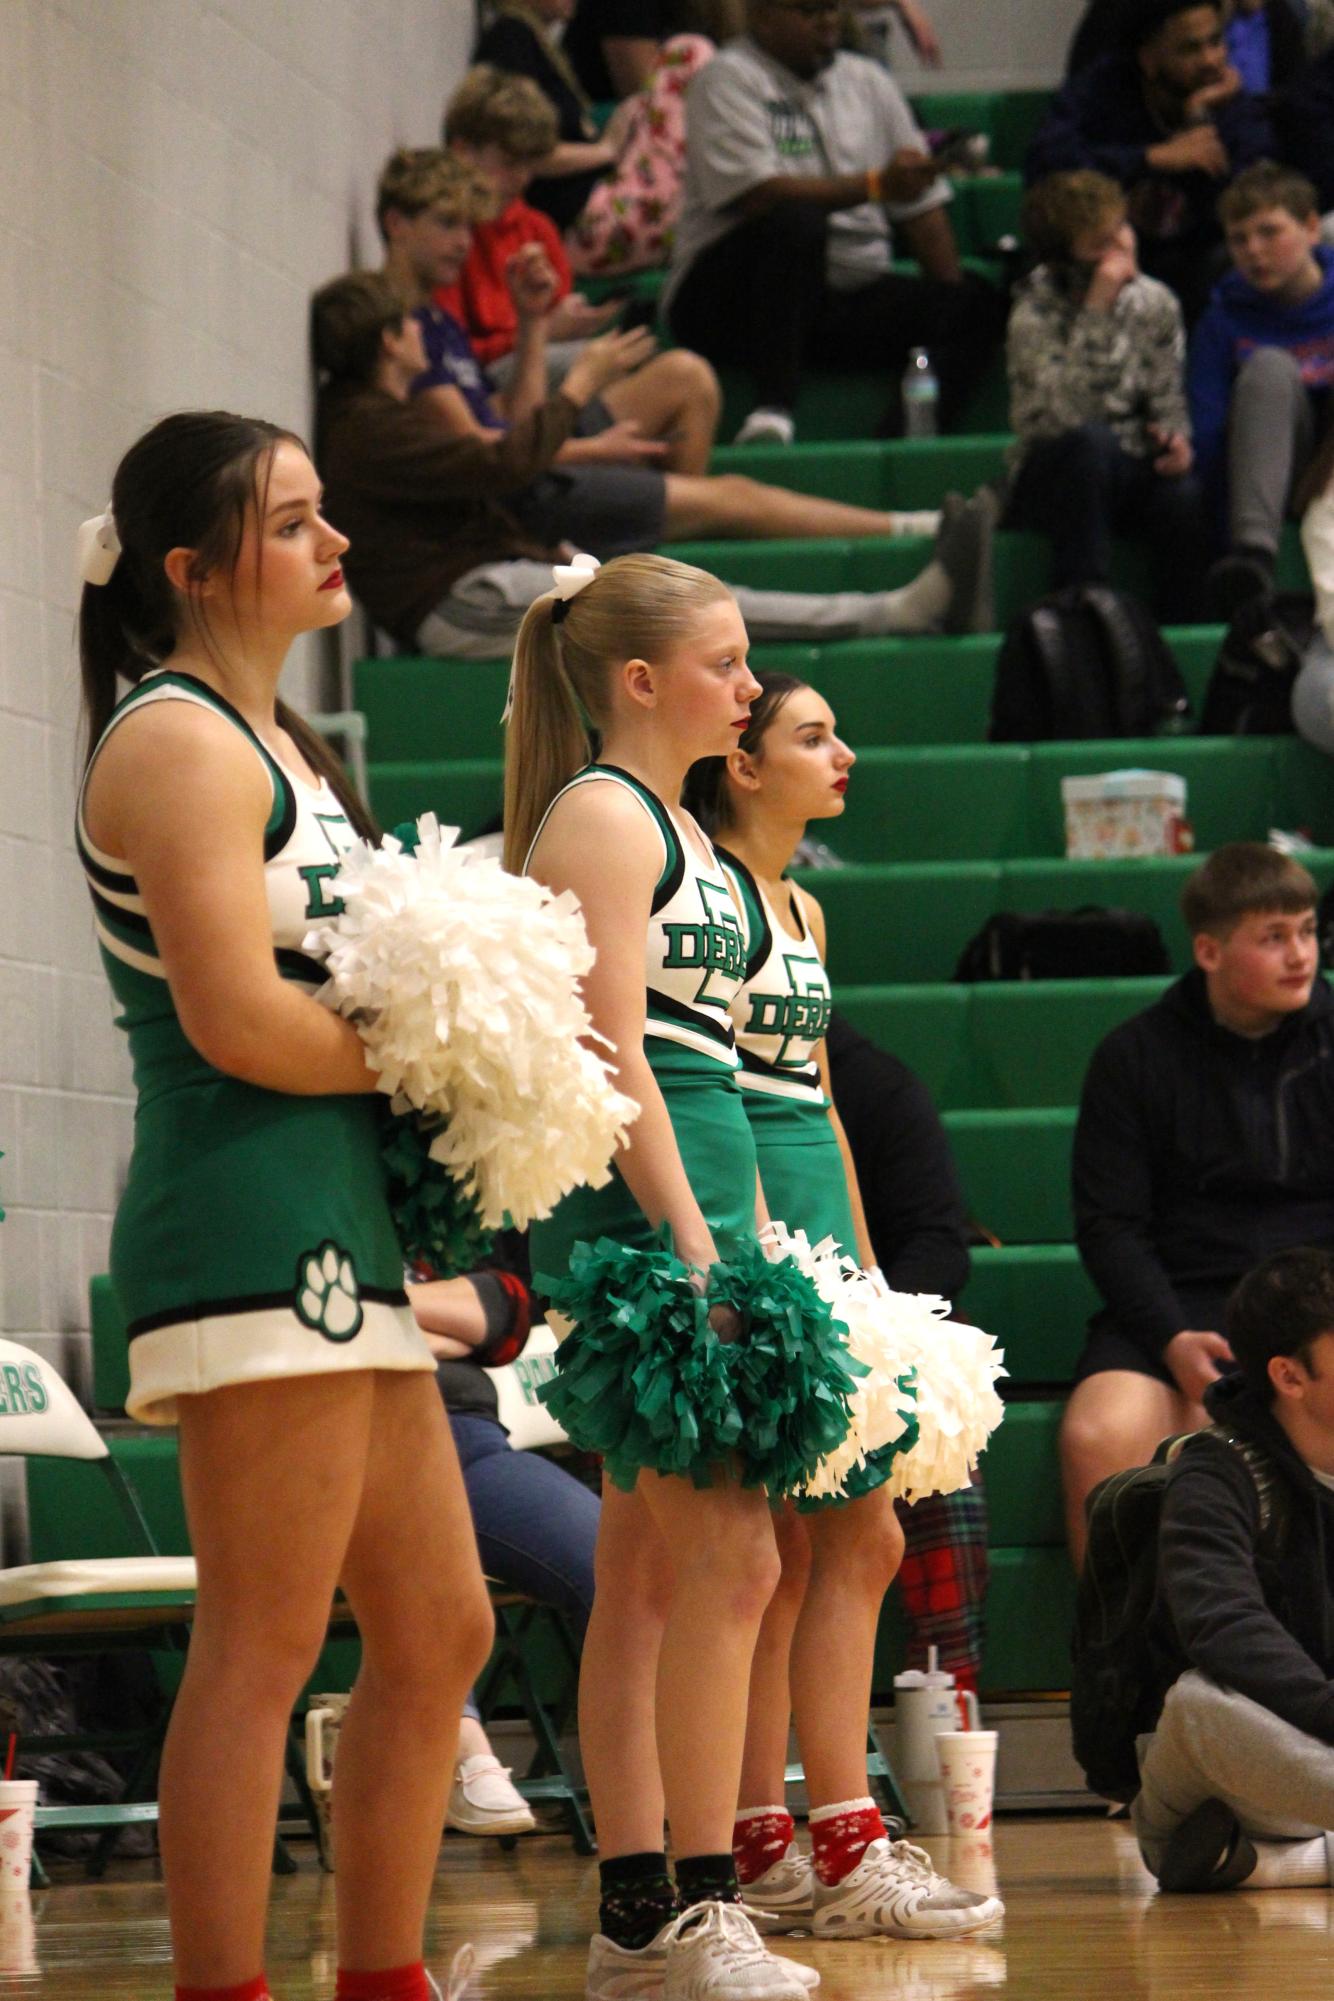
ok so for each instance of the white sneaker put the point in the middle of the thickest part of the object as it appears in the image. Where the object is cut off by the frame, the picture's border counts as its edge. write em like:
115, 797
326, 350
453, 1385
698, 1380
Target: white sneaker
767, 427
895, 1893
482, 1800
783, 1898
615, 1973
714, 1953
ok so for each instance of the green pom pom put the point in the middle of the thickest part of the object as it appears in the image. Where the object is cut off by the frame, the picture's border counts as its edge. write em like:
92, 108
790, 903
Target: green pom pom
645, 1381
437, 1223
791, 1370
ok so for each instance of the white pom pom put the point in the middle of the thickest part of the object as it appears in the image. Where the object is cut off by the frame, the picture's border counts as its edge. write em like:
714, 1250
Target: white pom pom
954, 1368
463, 981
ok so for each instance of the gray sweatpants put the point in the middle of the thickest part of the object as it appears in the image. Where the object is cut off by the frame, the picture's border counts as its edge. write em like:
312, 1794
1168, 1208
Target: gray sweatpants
1271, 436
481, 616
1212, 1743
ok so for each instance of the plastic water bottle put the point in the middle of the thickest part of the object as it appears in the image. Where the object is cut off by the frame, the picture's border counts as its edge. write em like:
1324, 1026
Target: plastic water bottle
921, 396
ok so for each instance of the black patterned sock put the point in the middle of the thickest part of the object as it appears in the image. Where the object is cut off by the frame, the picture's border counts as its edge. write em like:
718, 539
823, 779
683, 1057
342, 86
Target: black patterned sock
707, 1879
637, 1899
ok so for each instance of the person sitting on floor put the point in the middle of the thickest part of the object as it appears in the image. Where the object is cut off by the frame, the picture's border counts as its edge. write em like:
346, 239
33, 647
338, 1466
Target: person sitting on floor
1261, 369
1167, 117
804, 166
447, 551
1205, 1142
1237, 1778
1096, 358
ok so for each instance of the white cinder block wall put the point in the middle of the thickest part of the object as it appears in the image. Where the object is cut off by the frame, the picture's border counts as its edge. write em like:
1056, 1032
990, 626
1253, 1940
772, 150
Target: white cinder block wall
993, 44
175, 177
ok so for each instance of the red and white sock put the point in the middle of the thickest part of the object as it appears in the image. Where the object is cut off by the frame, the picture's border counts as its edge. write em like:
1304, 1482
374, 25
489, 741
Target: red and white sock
387, 1983
760, 1837
841, 1835
249, 1990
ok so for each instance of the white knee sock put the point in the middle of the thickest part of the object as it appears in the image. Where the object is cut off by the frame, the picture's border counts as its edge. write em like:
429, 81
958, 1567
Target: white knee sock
1290, 1865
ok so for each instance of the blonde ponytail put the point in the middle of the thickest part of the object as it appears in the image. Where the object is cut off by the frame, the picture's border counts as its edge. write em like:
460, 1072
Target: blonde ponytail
635, 608
547, 740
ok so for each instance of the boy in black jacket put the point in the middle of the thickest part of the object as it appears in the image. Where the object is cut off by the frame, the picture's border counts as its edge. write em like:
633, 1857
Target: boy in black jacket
1205, 1143
1237, 1781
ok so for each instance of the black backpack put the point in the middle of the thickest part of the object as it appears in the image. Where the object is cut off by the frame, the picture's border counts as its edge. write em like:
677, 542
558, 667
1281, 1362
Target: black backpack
1250, 688
1088, 661
1091, 943
1119, 1678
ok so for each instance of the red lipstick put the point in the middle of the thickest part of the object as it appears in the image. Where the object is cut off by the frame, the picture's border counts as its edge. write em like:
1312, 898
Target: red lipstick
333, 582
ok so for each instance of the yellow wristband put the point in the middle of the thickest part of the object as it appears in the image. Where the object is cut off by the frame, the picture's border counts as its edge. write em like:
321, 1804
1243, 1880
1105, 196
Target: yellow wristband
874, 186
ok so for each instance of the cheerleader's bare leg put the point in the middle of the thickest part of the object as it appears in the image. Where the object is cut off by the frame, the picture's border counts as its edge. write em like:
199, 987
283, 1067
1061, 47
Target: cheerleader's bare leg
618, 1676
770, 1711
413, 1579
274, 1478
855, 1553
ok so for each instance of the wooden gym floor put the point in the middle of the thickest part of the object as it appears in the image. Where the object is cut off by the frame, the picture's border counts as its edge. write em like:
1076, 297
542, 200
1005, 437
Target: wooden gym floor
1082, 1920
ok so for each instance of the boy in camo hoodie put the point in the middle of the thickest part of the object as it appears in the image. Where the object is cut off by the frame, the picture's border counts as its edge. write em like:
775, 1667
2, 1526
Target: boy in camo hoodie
1095, 354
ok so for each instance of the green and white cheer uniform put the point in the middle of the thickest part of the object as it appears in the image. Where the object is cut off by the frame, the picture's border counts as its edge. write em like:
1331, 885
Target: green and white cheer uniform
253, 1240
693, 966
780, 1014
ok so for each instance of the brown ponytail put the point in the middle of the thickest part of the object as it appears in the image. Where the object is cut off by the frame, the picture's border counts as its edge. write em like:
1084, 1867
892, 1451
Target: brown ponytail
636, 607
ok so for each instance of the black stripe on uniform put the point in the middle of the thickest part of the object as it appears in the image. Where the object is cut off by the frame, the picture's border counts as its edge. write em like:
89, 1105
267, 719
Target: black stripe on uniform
125, 920
108, 878
675, 1010
674, 867
756, 957
254, 1302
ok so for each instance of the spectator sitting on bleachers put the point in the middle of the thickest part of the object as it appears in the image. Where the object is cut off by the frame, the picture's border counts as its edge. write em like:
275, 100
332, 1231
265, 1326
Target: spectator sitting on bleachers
1265, 43
803, 164
536, 1524
660, 411
1096, 355
1261, 369
1167, 118
919, 1231
439, 557
1205, 1142
1237, 1779
638, 472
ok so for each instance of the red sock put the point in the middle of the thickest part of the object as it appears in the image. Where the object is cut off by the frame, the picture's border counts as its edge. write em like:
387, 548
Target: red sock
389, 1983
841, 1835
249, 1990
759, 1839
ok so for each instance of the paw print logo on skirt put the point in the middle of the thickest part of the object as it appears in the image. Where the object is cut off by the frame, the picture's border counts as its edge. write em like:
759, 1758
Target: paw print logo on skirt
327, 1297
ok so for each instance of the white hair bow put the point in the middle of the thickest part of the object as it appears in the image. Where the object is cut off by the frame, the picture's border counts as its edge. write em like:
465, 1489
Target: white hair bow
98, 548
567, 580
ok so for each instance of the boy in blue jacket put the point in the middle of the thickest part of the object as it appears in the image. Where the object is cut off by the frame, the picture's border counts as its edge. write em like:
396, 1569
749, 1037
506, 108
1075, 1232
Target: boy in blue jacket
1260, 371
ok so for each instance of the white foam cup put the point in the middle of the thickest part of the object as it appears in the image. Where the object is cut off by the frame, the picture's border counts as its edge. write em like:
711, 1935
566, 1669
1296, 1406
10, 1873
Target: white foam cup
18, 1932
967, 1777
18, 1806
